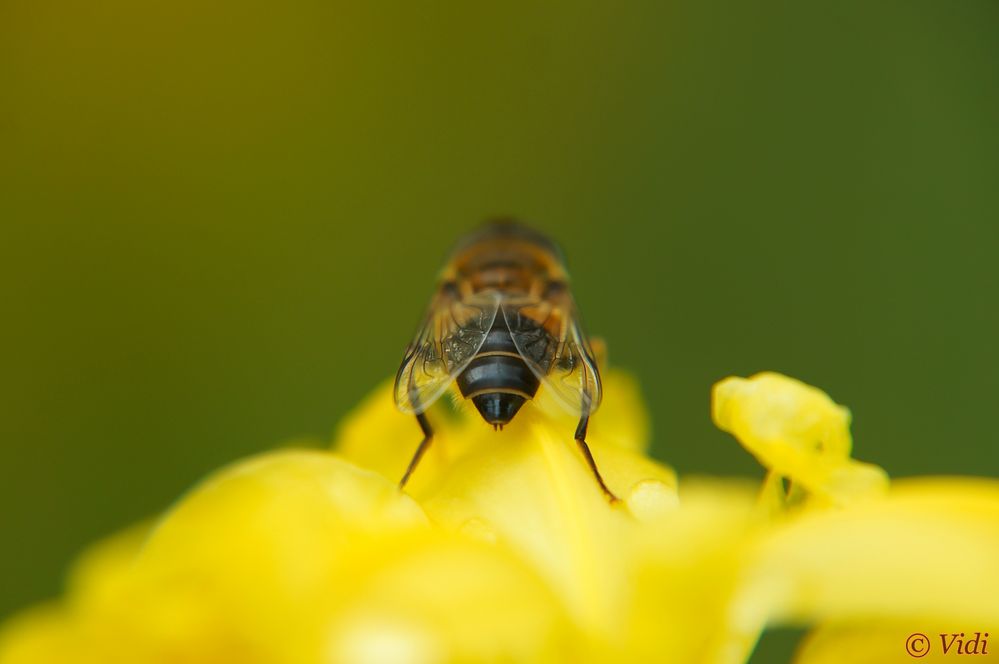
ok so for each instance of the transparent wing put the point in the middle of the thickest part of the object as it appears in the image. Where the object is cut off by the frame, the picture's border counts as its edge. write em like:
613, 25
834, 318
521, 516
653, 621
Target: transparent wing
451, 334
549, 338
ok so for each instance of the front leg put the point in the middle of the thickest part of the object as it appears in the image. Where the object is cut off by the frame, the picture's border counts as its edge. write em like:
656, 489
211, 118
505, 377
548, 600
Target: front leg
585, 449
428, 435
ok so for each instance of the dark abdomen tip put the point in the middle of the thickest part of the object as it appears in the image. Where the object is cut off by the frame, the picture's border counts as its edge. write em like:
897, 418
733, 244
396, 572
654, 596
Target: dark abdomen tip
498, 381
498, 408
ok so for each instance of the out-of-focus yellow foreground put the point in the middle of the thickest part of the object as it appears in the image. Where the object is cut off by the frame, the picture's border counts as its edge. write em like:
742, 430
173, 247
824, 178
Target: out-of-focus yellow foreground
504, 549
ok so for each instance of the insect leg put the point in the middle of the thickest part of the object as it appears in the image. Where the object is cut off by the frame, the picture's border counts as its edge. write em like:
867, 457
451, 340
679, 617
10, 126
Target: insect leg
428, 435
585, 449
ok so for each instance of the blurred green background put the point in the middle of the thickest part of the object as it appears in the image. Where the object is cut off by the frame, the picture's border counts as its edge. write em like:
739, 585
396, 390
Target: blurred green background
221, 222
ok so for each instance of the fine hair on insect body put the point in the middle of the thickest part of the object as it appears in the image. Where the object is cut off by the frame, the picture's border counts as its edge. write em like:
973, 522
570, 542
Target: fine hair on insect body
501, 324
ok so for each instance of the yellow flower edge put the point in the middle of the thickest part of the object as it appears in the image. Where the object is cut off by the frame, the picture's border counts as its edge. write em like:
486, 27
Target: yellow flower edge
797, 432
295, 556
503, 549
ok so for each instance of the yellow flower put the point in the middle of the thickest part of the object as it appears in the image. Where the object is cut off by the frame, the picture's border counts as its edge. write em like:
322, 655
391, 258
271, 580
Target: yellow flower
504, 549
798, 433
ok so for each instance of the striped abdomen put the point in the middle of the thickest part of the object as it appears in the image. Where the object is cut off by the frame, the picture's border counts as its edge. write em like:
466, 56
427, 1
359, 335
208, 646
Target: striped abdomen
498, 381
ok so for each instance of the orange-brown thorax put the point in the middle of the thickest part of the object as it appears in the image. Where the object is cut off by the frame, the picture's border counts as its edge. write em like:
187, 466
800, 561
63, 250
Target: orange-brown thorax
507, 263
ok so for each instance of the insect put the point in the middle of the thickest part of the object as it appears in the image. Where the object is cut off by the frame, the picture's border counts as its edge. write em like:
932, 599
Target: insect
501, 324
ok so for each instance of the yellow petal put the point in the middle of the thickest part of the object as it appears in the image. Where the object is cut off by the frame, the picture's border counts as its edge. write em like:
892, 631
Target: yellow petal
71, 631
622, 419
341, 568
533, 491
305, 557
296, 557
797, 432
448, 599
377, 436
40, 635
769, 410
239, 570
929, 549
528, 488
253, 559
683, 571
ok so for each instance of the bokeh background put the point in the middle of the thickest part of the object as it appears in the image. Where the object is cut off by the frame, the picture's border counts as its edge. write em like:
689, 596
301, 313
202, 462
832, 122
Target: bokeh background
220, 222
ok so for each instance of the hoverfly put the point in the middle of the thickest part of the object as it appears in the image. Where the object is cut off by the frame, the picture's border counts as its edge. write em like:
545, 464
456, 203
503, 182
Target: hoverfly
501, 324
